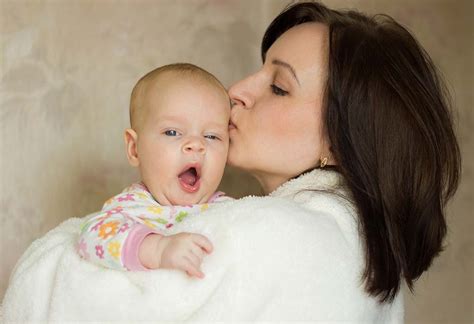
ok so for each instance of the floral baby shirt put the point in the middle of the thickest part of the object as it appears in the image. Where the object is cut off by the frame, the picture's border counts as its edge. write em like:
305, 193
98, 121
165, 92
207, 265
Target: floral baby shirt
112, 237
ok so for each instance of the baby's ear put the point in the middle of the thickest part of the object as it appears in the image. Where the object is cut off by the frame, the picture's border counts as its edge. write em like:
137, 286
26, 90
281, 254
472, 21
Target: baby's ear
131, 138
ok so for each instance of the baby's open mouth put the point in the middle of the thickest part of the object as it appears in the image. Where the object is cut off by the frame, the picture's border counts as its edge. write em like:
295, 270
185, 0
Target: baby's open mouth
189, 178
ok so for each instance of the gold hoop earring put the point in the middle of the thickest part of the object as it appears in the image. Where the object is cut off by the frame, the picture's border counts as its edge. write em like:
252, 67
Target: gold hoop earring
324, 162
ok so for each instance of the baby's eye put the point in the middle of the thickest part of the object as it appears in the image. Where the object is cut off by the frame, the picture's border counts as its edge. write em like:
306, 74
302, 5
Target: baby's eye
212, 137
278, 91
171, 132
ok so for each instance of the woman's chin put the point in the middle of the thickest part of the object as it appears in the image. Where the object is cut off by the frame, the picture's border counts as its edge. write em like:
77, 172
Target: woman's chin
232, 160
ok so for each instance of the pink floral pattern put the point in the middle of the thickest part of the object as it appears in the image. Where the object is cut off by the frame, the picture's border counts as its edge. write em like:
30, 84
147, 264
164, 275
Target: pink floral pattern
114, 211
81, 248
124, 228
99, 251
104, 235
127, 197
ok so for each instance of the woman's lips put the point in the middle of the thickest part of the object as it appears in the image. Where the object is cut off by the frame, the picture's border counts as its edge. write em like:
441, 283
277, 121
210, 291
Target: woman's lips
232, 126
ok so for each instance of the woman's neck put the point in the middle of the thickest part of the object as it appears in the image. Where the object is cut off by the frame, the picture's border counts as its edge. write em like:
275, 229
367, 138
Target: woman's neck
269, 182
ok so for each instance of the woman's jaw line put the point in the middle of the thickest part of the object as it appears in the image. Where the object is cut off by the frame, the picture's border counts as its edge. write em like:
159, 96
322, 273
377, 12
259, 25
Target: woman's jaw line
268, 181
270, 184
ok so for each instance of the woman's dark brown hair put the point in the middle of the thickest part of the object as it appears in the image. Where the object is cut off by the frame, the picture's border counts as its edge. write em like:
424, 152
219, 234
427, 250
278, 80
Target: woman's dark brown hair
388, 120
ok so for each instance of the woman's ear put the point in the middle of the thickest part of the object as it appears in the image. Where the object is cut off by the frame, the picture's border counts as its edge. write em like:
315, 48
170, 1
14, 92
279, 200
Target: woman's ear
131, 138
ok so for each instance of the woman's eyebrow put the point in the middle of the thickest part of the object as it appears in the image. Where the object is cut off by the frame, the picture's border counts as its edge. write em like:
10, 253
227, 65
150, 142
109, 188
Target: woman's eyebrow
287, 66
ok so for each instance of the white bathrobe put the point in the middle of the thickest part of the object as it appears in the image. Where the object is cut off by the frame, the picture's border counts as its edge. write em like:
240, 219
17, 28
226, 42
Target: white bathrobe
293, 255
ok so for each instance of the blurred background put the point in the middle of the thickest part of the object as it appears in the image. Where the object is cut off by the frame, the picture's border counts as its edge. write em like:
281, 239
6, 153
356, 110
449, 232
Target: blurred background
67, 70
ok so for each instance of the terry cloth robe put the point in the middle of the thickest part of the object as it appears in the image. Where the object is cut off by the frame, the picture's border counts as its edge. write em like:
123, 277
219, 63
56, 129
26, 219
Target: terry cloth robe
293, 255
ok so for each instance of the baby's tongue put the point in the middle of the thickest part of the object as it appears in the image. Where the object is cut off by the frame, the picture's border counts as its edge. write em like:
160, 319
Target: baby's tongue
188, 177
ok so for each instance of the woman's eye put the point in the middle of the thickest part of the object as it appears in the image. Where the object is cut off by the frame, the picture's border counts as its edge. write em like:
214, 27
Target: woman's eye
278, 91
211, 137
171, 132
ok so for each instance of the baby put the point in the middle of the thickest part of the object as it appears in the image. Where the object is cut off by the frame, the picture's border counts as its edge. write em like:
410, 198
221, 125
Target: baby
178, 140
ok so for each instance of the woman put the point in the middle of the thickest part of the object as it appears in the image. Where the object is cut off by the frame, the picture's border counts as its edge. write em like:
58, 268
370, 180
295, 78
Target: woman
340, 92
347, 128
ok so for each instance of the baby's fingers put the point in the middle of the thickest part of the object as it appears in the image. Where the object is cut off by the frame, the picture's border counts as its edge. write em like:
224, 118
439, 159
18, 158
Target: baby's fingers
194, 259
192, 269
197, 251
203, 242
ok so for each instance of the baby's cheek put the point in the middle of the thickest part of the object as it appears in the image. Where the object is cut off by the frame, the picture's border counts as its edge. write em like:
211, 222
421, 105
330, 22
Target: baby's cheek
220, 147
218, 159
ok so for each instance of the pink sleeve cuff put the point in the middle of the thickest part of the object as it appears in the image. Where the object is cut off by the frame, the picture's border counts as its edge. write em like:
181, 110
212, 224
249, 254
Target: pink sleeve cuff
215, 196
130, 259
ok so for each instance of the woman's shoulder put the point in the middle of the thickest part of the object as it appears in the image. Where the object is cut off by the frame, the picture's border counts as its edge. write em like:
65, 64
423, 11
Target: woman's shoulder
315, 205
325, 195
290, 236
328, 222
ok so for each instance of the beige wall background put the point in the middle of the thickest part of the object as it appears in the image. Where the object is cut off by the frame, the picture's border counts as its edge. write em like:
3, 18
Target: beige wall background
67, 69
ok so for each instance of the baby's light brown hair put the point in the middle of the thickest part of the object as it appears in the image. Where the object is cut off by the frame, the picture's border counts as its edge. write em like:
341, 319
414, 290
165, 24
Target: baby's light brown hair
185, 70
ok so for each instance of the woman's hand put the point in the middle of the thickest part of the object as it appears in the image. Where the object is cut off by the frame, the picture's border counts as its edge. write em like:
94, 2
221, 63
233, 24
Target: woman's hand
183, 251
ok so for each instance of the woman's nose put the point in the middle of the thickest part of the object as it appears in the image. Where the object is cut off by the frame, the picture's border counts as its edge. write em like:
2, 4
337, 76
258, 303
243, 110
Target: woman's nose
242, 93
194, 145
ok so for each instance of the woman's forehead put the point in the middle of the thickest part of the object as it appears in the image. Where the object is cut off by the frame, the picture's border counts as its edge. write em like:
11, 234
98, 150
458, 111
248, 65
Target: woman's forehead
302, 43
304, 47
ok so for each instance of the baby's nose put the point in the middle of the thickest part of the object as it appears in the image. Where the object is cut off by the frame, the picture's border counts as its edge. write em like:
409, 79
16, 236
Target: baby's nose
195, 145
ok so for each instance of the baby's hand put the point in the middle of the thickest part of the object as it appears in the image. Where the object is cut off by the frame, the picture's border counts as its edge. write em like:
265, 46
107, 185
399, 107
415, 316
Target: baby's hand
184, 251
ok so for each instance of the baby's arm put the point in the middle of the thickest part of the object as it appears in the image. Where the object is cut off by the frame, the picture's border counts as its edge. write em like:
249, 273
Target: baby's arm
103, 237
113, 241
183, 251
120, 237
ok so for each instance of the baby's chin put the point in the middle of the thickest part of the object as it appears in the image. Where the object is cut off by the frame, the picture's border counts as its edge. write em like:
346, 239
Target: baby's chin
189, 199
175, 196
